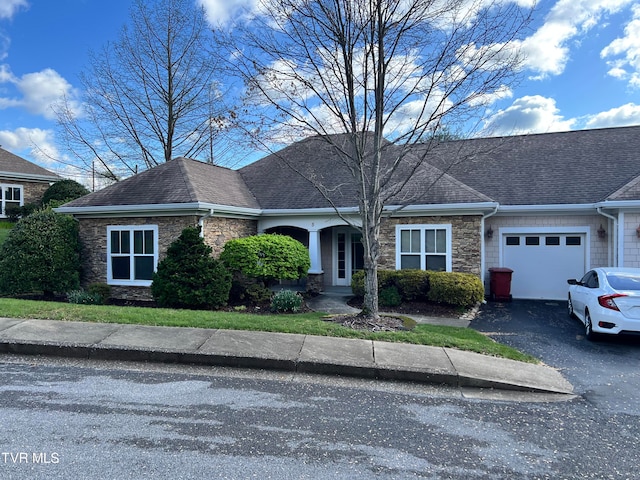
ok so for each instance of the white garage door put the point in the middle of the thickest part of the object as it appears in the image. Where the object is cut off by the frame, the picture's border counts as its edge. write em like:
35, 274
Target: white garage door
542, 263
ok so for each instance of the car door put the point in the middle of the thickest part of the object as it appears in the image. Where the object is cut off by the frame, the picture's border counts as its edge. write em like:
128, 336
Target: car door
582, 292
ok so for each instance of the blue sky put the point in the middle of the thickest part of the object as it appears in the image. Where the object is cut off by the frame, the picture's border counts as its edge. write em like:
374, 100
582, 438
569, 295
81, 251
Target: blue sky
582, 68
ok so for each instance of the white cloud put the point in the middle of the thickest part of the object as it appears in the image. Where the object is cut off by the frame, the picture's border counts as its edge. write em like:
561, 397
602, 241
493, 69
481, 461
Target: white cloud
222, 12
39, 92
628, 47
547, 50
8, 8
529, 114
37, 142
626, 115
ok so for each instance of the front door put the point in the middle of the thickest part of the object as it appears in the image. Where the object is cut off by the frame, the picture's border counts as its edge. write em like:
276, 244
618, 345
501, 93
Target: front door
348, 255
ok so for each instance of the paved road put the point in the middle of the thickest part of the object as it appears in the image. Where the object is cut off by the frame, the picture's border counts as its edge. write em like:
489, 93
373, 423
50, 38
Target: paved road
606, 373
101, 420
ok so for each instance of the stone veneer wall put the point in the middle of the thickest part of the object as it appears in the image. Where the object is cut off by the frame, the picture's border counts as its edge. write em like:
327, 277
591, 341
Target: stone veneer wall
465, 241
219, 230
93, 238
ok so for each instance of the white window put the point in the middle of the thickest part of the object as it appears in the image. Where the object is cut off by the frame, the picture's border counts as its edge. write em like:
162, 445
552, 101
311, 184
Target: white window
423, 247
10, 195
132, 254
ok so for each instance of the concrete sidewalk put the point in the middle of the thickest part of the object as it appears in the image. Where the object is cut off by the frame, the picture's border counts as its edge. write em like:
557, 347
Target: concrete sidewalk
292, 352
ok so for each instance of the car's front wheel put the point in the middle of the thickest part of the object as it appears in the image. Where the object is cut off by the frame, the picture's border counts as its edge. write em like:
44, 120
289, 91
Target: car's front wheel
588, 327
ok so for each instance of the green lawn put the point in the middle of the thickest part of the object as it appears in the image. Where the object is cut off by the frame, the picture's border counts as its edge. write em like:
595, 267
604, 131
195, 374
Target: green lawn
5, 228
305, 323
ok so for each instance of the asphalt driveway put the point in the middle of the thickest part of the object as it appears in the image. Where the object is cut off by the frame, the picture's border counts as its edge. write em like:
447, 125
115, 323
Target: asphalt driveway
606, 372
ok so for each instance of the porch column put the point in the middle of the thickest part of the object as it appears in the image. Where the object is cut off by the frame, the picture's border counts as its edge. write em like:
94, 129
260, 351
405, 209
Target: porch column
315, 252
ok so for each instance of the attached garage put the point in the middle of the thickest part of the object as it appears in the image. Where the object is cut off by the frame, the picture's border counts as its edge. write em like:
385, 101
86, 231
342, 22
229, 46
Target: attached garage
543, 260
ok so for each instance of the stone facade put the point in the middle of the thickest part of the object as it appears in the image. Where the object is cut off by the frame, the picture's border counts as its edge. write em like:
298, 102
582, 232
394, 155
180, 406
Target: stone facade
219, 230
93, 239
465, 242
33, 192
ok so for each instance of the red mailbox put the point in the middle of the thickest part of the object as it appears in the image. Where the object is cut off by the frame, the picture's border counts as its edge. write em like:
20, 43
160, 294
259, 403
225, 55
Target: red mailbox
500, 283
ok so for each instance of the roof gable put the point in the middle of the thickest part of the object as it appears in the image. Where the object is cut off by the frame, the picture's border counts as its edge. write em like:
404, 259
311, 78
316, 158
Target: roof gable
13, 166
181, 180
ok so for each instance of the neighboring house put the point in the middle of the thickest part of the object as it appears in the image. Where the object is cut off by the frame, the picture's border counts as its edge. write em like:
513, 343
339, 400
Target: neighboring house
548, 206
21, 182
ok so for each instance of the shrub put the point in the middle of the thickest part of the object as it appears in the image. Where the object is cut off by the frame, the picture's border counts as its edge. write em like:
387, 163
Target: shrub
41, 254
63, 191
389, 297
460, 289
267, 257
16, 212
101, 289
84, 298
412, 285
286, 301
189, 277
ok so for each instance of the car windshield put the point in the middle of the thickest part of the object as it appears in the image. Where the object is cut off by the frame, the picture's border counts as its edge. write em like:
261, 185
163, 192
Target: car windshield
624, 281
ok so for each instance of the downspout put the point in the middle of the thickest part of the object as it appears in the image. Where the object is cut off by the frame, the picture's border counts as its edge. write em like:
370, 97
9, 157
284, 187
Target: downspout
482, 242
202, 219
613, 251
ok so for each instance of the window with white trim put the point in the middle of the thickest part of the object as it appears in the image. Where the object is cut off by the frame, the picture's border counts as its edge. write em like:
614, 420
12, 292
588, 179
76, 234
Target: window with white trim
10, 195
423, 247
132, 254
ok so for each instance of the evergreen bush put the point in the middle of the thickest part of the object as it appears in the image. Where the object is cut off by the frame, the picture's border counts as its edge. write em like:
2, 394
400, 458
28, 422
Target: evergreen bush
63, 191
41, 254
459, 289
453, 288
267, 257
189, 277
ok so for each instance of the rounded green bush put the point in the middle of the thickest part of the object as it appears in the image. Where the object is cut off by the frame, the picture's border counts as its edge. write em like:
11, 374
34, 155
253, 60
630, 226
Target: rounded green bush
189, 277
267, 257
459, 289
63, 191
41, 254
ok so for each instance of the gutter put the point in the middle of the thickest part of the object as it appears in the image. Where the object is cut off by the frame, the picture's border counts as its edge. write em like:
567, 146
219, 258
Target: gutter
614, 250
482, 241
202, 219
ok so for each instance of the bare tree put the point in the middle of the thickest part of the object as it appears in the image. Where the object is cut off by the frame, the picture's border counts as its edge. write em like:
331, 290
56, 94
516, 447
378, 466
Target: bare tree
386, 74
150, 95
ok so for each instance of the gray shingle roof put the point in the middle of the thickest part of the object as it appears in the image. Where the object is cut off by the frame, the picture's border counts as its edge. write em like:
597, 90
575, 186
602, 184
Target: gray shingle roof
277, 186
15, 166
181, 180
577, 167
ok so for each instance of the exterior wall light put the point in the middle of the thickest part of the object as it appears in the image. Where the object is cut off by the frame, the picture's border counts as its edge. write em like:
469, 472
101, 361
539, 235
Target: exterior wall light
602, 233
489, 232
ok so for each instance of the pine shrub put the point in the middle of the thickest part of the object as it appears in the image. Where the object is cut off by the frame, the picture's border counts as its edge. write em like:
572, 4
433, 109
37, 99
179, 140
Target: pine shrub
189, 277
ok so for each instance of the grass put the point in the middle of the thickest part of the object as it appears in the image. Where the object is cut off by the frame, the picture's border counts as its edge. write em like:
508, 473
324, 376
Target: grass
304, 323
5, 228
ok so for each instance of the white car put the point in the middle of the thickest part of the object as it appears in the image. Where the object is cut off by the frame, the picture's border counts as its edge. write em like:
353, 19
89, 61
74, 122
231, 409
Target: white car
607, 300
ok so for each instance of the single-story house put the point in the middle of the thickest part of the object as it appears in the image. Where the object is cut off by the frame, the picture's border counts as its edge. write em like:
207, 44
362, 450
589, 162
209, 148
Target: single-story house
21, 182
548, 206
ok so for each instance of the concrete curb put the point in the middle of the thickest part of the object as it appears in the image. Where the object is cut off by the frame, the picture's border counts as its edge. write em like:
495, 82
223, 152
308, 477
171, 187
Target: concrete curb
278, 351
